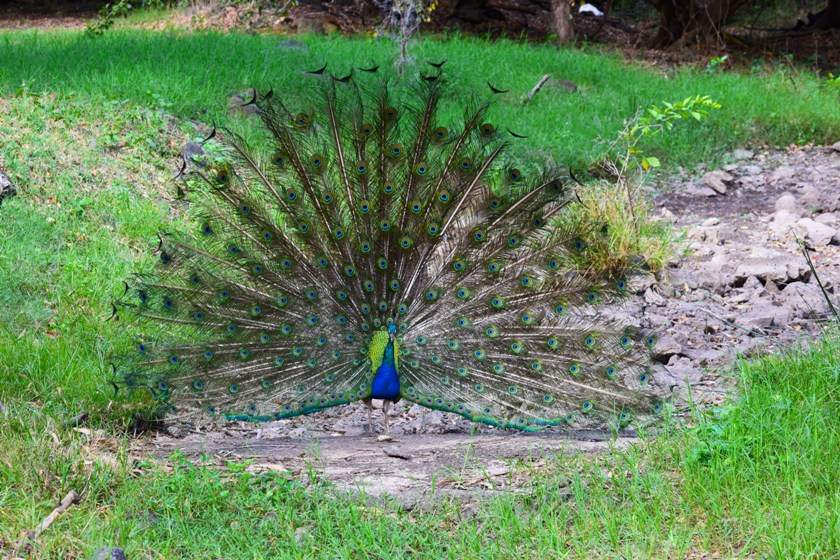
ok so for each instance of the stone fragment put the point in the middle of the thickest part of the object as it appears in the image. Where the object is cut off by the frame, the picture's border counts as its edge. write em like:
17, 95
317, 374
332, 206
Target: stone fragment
666, 347
788, 203
717, 180
695, 190
762, 268
652, 298
765, 315
782, 174
741, 154
711, 222
806, 300
817, 234
829, 219
7, 188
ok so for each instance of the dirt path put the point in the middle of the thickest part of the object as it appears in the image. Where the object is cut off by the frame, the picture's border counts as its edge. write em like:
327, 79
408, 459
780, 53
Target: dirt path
411, 469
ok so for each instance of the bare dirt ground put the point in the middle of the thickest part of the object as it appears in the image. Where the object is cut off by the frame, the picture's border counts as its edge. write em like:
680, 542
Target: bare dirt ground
411, 469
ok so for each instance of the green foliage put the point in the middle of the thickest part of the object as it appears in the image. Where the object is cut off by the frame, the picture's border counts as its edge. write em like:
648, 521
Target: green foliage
716, 64
655, 120
106, 16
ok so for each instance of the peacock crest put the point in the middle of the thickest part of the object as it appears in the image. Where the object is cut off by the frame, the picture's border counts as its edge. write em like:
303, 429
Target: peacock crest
373, 251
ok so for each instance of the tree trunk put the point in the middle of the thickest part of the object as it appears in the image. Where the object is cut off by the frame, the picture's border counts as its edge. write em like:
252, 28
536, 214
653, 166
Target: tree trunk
692, 20
561, 15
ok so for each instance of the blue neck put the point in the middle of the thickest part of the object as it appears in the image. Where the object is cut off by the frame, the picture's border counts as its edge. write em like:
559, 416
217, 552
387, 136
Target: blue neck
386, 380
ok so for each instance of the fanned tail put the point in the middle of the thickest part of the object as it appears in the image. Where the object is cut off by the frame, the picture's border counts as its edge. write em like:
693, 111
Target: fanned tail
369, 212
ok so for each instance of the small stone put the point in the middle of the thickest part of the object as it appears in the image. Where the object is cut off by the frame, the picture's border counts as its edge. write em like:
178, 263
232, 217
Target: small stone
638, 283
753, 170
741, 154
652, 298
666, 347
7, 189
752, 283
782, 173
763, 268
836, 146
806, 299
765, 315
717, 180
683, 370
108, 553
730, 167
809, 196
788, 203
829, 219
700, 191
667, 215
817, 234
711, 222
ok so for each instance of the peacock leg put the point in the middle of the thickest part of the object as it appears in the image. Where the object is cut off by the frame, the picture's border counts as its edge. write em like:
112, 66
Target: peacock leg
369, 403
386, 404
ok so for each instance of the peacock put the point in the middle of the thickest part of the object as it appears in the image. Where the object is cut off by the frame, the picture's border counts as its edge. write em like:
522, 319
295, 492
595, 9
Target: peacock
365, 248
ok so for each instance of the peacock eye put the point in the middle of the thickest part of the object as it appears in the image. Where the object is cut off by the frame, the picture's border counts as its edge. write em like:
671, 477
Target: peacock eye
487, 130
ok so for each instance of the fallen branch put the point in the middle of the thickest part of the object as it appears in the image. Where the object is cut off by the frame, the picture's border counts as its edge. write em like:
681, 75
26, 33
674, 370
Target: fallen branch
536, 89
65, 504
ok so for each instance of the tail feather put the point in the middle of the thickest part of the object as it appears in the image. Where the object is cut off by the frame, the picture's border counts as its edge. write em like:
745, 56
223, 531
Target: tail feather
365, 212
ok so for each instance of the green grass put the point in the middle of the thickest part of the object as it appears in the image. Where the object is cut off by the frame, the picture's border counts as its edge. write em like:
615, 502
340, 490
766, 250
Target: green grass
758, 478
193, 75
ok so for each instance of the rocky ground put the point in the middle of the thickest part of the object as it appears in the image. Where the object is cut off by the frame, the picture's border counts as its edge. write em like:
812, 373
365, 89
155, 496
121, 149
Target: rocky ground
743, 286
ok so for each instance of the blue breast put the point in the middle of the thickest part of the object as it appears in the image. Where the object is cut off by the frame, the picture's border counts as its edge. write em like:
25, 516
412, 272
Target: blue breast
386, 382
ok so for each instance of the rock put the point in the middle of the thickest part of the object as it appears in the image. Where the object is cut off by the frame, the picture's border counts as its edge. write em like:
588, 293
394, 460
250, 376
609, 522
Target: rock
730, 167
7, 189
717, 180
639, 283
742, 154
711, 222
667, 216
805, 299
192, 153
433, 419
788, 203
242, 103
753, 170
782, 173
829, 219
765, 315
836, 146
684, 371
666, 347
752, 282
817, 234
108, 553
809, 196
652, 298
780, 268
695, 190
